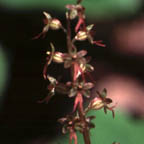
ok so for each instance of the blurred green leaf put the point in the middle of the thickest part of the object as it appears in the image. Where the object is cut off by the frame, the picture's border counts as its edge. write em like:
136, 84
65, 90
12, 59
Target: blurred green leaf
3, 72
94, 8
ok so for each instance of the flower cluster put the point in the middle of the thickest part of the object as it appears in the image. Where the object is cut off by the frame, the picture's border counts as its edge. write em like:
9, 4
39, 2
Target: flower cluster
73, 123
77, 11
78, 90
78, 63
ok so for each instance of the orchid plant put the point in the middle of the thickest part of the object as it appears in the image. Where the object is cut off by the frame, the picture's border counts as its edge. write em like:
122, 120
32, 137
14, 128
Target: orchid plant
78, 63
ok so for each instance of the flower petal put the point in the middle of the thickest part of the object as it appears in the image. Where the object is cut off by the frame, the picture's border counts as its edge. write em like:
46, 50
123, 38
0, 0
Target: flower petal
80, 22
89, 27
99, 43
72, 136
88, 85
81, 53
78, 100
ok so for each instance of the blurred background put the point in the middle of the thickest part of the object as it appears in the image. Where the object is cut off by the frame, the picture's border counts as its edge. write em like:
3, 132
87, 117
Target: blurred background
118, 67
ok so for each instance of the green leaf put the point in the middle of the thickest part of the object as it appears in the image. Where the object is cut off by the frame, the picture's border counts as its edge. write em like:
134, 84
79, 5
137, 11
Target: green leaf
115, 143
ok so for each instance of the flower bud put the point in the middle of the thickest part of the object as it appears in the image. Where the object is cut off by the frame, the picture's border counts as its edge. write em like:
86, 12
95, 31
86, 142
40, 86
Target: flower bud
96, 104
58, 57
81, 36
55, 24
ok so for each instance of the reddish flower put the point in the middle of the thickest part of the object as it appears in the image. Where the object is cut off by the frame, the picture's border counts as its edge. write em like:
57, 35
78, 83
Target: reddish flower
71, 124
82, 87
56, 57
77, 11
51, 88
49, 22
75, 59
79, 90
101, 102
83, 35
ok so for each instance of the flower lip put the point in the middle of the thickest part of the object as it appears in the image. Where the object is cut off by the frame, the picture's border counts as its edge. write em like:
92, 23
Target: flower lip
58, 57
55, 24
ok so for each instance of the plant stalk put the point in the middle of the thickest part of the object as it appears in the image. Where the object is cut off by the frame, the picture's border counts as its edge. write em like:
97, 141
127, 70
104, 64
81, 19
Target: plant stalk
69, 44
70, 47
86, 135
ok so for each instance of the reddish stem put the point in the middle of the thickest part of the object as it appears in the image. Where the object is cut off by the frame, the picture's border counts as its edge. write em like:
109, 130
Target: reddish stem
85, 132
86, 135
